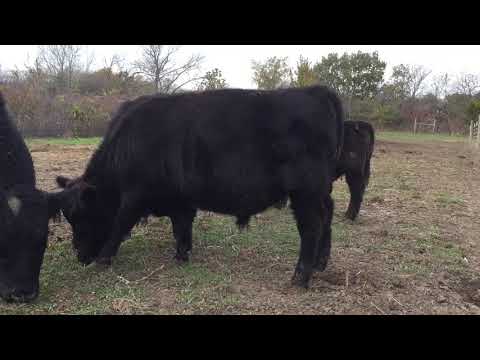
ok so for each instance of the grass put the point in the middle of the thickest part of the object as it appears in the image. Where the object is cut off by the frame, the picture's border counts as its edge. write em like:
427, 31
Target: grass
404, 136
398, 236
447, 200
69, 288
64, 141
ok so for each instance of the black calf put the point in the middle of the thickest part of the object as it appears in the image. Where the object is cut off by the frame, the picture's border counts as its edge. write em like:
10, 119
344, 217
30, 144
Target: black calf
354, 163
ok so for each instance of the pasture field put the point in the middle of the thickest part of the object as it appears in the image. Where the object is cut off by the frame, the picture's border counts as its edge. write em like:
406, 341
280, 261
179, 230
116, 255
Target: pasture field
413, 250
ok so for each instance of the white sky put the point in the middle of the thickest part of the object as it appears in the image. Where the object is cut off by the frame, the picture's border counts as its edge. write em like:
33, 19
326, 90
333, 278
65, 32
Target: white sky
235, 60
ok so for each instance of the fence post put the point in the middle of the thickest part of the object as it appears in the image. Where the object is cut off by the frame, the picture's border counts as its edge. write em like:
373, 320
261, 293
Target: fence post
471, 131
478, 131
415, 125
434, 124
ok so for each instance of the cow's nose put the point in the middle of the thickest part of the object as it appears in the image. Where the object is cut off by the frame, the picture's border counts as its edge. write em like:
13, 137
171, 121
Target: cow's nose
85, 259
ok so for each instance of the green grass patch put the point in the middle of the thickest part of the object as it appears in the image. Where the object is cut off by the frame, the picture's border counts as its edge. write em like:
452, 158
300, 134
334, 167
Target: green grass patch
67, 287
449, 199
404, 136
64, 141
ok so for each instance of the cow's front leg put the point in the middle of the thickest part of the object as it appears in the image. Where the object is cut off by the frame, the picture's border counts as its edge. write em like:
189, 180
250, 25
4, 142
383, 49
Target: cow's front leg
311, 220
127, 216
182, 230
323, 249
356, 184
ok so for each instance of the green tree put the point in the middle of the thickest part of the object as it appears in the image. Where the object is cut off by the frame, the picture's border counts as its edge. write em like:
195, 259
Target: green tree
304, 73
331, 71
457, 108
213, 79
358, 75
354, 76
473, 110
272, 74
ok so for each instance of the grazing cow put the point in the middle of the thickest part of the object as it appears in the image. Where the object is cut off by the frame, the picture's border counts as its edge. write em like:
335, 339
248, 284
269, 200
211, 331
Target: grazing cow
230, 151
354, 163
24, 216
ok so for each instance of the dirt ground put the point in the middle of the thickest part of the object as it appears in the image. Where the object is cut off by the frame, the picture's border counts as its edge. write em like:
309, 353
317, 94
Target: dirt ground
413, 250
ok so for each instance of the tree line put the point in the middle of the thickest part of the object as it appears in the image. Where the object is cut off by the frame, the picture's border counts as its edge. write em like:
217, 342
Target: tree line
59, 94
411, 91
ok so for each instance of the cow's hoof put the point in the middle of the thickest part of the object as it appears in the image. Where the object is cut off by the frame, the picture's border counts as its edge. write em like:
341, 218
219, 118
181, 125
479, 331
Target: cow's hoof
301, 280
104, 261
350, 215
181, 258
321, 264
85, 260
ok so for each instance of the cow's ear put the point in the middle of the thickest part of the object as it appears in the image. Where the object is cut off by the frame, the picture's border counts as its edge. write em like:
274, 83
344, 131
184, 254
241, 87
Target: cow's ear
62, 181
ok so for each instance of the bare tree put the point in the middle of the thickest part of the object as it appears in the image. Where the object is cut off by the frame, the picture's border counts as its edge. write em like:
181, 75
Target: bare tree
467, 84
158, 65
61, 62
441, 85
418, 76
410, 79
115, 61
3, 76
89, 59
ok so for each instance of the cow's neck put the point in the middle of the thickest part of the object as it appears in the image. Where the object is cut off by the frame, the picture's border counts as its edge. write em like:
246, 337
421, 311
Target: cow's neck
97, 171
96, 168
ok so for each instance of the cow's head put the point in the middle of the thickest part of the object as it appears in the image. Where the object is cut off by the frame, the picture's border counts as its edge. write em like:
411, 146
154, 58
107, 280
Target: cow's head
87, 214
23, 239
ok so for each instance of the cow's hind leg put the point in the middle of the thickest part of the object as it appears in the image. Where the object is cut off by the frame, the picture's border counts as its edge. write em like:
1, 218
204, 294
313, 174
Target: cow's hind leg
309, 213
323, 249
182, 230
127, 216
281, 204
367, 173
356, 184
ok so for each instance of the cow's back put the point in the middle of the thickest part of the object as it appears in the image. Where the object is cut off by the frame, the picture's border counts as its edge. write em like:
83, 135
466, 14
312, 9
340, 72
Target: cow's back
271, 122
219, 148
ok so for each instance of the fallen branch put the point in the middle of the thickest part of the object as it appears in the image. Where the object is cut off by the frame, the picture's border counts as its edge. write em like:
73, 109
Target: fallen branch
128, 282
398, 302
149, 275
376, 307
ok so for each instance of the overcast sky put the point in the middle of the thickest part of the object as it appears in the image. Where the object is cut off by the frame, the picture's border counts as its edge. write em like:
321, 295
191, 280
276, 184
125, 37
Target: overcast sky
235, 60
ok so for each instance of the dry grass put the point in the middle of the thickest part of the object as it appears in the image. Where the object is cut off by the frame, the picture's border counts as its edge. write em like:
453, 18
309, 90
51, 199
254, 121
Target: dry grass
413, 250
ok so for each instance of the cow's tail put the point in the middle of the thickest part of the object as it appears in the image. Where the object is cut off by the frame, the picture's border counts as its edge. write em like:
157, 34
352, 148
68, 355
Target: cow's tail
340, 119
3, 104
372, 134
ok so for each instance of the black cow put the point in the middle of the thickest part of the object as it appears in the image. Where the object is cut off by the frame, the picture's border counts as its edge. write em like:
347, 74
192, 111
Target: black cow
354, 163
230, 151
24, 216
